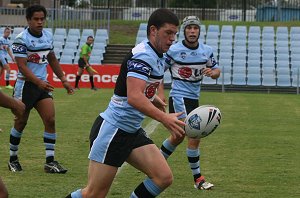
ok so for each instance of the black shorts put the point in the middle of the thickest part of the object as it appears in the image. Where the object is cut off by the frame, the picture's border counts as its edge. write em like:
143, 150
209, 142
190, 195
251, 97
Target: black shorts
185, 105
111, 145
81, 63
29, 93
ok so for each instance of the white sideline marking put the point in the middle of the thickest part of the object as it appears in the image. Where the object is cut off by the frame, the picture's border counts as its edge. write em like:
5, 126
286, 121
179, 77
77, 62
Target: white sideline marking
150, 128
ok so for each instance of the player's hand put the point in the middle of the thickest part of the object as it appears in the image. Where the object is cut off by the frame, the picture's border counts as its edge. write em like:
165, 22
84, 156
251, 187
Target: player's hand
208, 72
18, 108
45, 86
68, 87
159, 103
174, 125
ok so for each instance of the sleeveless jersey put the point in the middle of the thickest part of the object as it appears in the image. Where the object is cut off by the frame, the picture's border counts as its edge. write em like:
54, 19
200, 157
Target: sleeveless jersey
4, 45
35, 49
186, 66
144, 63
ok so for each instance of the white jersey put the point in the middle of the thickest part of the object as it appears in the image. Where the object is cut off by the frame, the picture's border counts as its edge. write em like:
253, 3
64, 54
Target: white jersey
144, 63
186, 66
35, 49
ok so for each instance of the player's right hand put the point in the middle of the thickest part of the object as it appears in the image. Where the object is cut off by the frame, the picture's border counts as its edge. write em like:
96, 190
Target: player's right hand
174, 125
45, 86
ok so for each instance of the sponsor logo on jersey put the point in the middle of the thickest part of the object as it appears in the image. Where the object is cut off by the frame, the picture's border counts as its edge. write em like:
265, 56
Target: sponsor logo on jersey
194, 122
193, 53
185, 72
19, 48
138, 67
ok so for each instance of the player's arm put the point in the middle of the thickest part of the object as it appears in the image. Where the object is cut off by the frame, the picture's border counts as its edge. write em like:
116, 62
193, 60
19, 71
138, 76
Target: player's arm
10, 54
137, 99
160, 99
29, 75
54, 64
212, 69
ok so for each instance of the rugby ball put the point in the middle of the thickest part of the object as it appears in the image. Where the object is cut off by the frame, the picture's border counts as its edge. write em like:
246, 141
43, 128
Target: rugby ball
202, 121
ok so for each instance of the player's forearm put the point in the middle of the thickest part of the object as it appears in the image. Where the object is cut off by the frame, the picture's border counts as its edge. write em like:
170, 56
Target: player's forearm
6, 101
215, 73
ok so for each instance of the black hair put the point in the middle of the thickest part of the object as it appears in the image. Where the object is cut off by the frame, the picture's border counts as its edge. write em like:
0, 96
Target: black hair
161, 16
35, 8
89, 37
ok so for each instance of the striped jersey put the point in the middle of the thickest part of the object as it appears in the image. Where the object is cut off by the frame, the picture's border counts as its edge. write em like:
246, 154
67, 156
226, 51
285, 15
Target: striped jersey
186, 65
35, 49
145, 63
4, 45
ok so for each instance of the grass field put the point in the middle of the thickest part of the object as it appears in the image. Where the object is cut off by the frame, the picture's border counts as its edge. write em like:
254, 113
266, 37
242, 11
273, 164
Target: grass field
254, 152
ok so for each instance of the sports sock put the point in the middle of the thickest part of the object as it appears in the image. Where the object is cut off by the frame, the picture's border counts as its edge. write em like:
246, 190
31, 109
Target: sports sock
167, 148
49, 141
92, 81
77, 81
194, 161
147, 189
14, 140
75, 194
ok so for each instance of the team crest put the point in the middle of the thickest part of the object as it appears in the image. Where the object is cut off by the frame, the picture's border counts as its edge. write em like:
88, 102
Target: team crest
194, 122
193, 53
183, 55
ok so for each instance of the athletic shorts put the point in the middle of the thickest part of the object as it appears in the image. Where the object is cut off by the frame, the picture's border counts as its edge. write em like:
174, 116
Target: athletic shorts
179, 104
111, 145
81, 63
29, 93
3, 61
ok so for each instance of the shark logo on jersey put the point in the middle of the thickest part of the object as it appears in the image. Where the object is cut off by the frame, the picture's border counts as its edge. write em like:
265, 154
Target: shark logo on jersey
183, 55
185, 72
32, 43
150, 90
194, 122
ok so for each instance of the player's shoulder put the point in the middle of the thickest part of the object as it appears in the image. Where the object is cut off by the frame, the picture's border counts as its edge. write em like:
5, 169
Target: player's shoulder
144, 51
204, 47
47, 33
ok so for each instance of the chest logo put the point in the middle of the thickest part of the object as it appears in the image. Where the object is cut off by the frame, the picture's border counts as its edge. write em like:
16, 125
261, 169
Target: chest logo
185, 72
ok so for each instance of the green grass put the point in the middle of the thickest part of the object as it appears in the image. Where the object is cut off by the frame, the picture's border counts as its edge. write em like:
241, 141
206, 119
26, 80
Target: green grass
253, 153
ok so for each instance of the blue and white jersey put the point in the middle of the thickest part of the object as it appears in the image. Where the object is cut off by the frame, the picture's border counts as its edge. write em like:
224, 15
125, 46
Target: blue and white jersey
35, 49
186, 66
4, 45
144, 63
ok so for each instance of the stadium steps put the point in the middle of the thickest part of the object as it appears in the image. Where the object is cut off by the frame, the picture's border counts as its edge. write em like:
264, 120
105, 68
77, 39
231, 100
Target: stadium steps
115, 53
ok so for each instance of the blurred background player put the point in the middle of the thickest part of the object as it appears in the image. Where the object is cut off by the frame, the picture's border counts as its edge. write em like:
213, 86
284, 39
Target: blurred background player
33, 50
17, 108
83, 63
189, 60
116, 135
4, 50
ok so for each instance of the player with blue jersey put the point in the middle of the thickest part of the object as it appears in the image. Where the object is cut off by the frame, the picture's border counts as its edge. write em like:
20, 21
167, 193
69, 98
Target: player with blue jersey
116, 135
189, 61
33, 50
4, 51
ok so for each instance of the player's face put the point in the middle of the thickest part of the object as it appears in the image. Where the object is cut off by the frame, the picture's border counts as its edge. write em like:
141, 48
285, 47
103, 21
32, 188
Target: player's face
163, 37
6, 33
90, 41
192, 33
36, 23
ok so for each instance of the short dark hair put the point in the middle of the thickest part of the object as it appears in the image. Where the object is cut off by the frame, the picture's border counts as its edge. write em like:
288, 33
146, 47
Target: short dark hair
161, 16
35, 8
89, 37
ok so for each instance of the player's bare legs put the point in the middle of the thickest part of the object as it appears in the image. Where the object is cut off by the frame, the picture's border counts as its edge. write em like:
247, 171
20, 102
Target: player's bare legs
79, 73
46, 110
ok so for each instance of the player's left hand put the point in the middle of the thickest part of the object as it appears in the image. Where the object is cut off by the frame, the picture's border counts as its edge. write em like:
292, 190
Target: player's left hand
68, 87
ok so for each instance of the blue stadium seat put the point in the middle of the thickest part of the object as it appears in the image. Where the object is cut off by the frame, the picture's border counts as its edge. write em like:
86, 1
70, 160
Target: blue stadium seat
213, 28
74, 32
69, 51
239, 79
71, 45
72, 38
282, 30
61, 31
284, 80
253, 80
225, 78
268, 80
283, 64
239, 55
240, 29
254, 36
295, 30
254, 70
86, 33
95, 60
66, 59
254, 29
49, 30
283, 71
60, 38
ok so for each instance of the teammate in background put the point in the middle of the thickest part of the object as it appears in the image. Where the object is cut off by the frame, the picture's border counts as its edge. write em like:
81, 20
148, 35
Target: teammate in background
189, 61
33, 50
83, 63
4, 50
18, 108
116, 135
